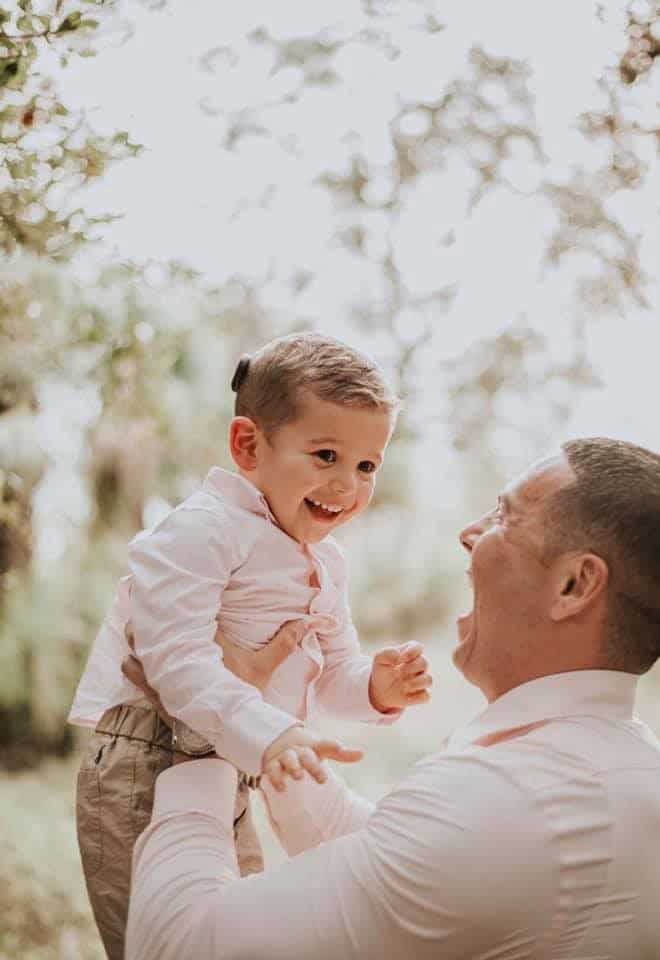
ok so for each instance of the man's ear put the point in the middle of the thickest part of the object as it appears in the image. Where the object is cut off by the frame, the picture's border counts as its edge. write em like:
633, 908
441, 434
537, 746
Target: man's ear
244, 436
581, 581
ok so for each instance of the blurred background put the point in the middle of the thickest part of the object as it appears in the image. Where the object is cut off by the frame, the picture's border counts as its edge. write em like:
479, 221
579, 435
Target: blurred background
469, 191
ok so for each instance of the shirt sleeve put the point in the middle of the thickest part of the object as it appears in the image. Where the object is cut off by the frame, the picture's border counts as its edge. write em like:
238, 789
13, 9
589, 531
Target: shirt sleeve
342, 690
453, 863
308, 813
179, 571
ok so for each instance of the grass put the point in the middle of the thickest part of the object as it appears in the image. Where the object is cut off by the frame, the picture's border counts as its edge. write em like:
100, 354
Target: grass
43, 902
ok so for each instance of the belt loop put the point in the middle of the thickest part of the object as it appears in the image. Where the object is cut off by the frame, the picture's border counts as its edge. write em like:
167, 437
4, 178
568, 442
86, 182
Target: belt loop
121, 716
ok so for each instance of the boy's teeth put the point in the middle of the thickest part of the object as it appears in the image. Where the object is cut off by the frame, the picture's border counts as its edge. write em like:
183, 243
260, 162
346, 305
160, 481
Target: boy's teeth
326, 506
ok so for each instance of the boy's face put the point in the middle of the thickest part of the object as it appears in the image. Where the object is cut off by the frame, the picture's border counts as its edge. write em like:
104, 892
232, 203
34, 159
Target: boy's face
320, 471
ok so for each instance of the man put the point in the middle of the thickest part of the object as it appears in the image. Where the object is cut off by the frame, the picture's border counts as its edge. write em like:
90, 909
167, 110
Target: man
534, 834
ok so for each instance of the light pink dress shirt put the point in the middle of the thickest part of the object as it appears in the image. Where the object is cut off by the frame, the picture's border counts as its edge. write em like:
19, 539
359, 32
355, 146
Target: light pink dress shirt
541, 847
220, 556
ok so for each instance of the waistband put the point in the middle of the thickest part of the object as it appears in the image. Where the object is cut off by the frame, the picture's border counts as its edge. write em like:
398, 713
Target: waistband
141, 722
136, 722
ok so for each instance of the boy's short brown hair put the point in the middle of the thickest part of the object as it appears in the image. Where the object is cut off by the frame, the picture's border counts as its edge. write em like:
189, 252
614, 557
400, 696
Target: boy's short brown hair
271, 382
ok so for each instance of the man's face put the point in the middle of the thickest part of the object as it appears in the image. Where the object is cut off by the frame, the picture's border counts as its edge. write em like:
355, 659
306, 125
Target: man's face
320, 471
504, 634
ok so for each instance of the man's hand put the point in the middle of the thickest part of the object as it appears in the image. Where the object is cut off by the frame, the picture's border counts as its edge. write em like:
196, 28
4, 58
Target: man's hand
258, 666
298, 750
399, 678
133, 671
252, 666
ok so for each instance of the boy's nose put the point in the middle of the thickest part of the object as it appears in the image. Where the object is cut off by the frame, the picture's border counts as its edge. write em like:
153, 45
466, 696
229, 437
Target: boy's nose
341, 484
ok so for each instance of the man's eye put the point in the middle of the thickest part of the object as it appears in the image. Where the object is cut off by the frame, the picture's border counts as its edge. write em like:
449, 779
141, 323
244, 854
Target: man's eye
366, 466
328, 456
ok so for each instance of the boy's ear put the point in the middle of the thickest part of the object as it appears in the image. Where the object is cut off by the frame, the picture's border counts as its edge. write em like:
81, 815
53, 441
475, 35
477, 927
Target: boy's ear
243, 440
581, 580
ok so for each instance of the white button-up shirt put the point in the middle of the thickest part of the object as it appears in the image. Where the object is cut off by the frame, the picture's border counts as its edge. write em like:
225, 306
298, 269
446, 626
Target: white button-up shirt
220, 559
543, 845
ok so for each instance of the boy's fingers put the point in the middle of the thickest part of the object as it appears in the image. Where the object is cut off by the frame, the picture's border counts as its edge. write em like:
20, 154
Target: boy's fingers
275, 774
414, 667
416, 684
389, 656
410, 651
423, 696
333, 750
407, 653
291, 764
312, 765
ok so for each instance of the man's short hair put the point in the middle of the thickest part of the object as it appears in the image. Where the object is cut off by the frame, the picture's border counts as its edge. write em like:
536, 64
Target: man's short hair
271, 387
613, 510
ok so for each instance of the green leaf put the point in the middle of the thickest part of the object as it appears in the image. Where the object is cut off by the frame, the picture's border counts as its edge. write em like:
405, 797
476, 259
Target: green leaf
8, 71
72, 22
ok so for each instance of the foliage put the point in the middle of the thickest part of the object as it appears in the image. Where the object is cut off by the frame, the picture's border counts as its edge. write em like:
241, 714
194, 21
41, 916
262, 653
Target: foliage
478, 117
49, 149
145, 352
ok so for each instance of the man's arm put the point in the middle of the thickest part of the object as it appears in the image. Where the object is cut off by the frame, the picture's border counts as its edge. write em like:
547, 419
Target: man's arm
309, 813
179, 572
448, 865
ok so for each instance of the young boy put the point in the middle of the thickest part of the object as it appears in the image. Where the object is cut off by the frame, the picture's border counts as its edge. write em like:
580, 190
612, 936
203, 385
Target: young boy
245, 554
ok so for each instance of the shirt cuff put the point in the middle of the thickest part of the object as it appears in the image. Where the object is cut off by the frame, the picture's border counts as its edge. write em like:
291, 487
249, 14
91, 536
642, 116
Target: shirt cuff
244, 740
204, 786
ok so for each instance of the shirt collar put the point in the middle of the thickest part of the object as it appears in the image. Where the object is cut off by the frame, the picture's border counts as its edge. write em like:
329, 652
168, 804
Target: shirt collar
238, 491
594, 693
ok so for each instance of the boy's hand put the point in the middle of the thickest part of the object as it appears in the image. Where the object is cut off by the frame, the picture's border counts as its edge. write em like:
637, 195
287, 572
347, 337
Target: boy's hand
399, 678
299, 749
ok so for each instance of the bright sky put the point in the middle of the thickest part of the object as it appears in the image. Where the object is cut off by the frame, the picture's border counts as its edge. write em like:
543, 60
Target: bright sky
188, 199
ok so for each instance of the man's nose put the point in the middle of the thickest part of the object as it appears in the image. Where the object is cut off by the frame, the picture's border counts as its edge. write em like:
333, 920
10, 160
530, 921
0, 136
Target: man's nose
470, 534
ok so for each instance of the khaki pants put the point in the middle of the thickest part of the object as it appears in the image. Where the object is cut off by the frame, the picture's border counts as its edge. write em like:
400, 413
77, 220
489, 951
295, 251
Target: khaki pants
115, 794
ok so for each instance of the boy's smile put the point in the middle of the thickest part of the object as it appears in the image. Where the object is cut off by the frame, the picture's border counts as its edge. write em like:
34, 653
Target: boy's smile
320, 470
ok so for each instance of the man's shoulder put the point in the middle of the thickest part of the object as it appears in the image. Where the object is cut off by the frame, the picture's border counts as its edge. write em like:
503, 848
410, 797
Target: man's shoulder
579, 758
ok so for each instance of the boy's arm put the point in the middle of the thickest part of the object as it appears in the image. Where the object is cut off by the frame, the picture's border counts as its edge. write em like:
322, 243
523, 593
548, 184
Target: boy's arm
179, 572
359, 687
343, 689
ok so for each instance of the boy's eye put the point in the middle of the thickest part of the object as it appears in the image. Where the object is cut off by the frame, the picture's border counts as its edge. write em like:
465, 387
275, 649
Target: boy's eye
328, 456
366, 466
